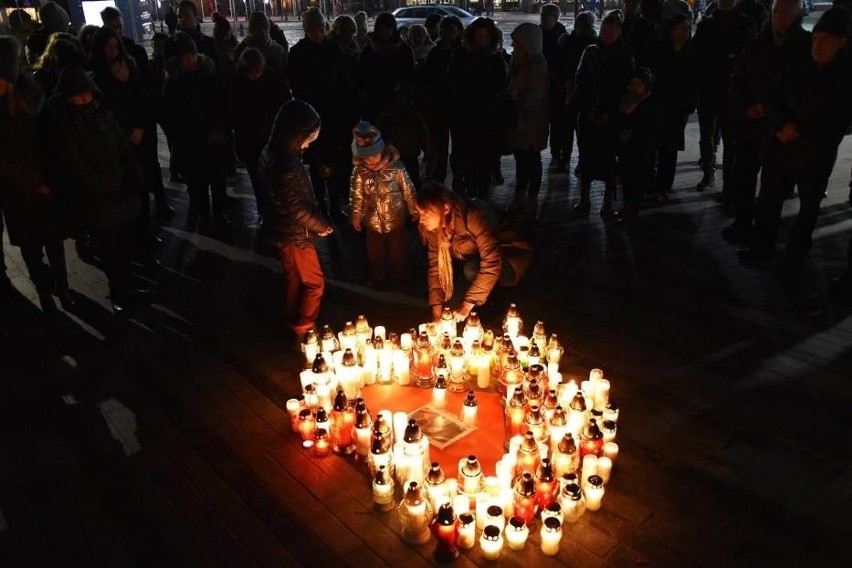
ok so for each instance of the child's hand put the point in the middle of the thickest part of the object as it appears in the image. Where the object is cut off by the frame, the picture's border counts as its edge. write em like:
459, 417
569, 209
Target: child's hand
356, 224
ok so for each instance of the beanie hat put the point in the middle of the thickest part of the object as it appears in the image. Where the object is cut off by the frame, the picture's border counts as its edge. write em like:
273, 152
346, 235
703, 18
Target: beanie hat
187, 5
366, 140
54, 17
10, 58
221, 25
295, 121
73, 81
643, 74
312, 18
834, 21
614, 17
184, 44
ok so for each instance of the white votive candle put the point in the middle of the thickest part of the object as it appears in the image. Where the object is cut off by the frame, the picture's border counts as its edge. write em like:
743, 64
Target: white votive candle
610, 450
467, 531
516, 533
594, 492
551, 535
293, 408
590, 468
491, 542
604, 468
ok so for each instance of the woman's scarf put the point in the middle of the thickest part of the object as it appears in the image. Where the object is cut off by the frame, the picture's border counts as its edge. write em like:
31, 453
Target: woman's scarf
445, 263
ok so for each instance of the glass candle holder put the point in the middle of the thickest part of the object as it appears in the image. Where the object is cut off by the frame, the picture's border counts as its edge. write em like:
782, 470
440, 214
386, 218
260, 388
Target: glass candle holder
446, 529
467, 531
415, 516
551, 535
307, 424
491, 543
322, 446
604, 468
610, 428
470, 409
572, 502
494, 516
383, 487
294, 406
439, 393
515, 416
594, 492
552, 510
524, 501
516, 533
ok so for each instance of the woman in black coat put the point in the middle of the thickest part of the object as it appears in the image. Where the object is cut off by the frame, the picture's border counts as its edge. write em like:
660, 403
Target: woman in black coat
36, 214
202, 147
254, 97
384, 62
675, 91
601, 79
101, 176
477, 73
126, 95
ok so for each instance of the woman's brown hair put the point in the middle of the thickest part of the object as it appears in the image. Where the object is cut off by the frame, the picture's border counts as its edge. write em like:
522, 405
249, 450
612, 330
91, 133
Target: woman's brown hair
434, 195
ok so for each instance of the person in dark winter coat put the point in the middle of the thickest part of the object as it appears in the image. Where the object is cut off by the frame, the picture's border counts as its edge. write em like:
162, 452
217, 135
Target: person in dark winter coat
754, 11
601, 79
188, 23
563, 96
405, 128
101, 176
636, 123
528, 91
675, 92
330, 93
63, 50
552, 29
35, 210
808, 116
226, 45
258, 38
202, 147
478, 73
113, 19
126, 95
640, 20
385, 61
719, 40
254, 97
291, 216
438, 97
783, 46
171, 20
54, 19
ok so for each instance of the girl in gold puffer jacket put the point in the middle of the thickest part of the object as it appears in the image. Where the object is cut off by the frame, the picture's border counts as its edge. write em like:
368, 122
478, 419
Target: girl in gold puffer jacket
380, 195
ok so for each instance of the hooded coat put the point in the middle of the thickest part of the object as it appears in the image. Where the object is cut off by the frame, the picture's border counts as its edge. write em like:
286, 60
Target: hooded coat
380, 198
31, 218
381, 67
528, 90
252, 106
291, 216
675, 92
274, 54
477, 75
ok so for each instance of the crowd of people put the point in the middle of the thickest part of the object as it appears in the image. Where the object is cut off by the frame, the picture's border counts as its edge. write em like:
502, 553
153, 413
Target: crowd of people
333, 130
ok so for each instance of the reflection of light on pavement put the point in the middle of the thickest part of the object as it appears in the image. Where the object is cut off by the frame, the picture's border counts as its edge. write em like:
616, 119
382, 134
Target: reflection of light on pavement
122, 424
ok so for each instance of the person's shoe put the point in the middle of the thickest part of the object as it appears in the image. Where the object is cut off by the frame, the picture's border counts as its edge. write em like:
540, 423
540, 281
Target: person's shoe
583, 206
165, 212
65, 299
737, 233
498, 178
707, 182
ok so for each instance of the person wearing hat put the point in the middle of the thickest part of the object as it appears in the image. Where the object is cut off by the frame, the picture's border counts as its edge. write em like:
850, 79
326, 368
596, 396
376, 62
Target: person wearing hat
258, 38
101, 176
808, 119
291, 216
330, 93
202, 145
226, 45
380, 197
780, 45
37, 220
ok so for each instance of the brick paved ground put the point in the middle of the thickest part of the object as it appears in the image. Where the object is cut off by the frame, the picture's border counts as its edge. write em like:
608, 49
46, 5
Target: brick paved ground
161, 439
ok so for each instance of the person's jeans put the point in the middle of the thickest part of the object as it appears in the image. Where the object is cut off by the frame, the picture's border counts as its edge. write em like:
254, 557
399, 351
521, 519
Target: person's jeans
45, 278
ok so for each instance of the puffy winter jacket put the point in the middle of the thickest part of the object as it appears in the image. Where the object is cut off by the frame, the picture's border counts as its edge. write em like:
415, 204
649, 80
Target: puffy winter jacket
380, 198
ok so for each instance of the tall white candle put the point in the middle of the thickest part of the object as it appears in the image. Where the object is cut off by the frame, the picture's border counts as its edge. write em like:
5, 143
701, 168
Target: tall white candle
605, 468
594, 492
590, 467
551, 534
601, 393
400, 422
401, 369
380, 331
293, 408
610, 450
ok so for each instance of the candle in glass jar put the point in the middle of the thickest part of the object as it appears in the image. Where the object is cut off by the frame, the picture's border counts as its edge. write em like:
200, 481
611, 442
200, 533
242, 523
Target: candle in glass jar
321, 444
604, 468
370, 363
439, 393
601, 393
401, 367
311, 399
307, 424
552, 510
517, 533
461, 503
293, 408
470, 409
610, 412
494, 516
609, 430
491, 543
380, 331
467, 531
324, 396
610, 450
589, 468
383, 490
594, 492
551, 534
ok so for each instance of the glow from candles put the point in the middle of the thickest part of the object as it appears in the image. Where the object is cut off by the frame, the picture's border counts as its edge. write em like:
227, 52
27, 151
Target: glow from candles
517, 533
551, 534
293, 407
491, 543
604, 468
610, 450
467, 531
593, 492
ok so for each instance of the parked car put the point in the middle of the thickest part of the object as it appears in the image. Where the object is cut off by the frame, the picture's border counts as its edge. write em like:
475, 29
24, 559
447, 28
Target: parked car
418, 14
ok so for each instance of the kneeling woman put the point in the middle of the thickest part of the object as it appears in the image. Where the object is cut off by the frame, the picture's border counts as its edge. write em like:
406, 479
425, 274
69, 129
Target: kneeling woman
456, 229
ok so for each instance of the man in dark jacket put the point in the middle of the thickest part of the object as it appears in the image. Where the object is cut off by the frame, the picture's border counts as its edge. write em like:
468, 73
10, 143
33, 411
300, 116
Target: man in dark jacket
551, 30
291, 216
782, 45
640, 18
188, 23
101, 177
808, 117
719, 41
330, 93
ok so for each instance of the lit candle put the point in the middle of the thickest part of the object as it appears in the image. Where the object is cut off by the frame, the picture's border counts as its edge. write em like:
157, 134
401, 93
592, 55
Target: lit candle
324, 396
470, 409
415, 517
401, 366
589, 468
307, 424
446, 529
551, 534
383, 490
462, 503
594, 492
467, 531
604, 468
494, 516
379, 332
572, 502
370, 363
452, 488
363, 428
601, 393
293, 408
482, 504
400, 423
513, 324
436, 486
321, 443
609, 431
610, 412
491, 543
610, 450
439, 393
516, 533
525, 499
552, 510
